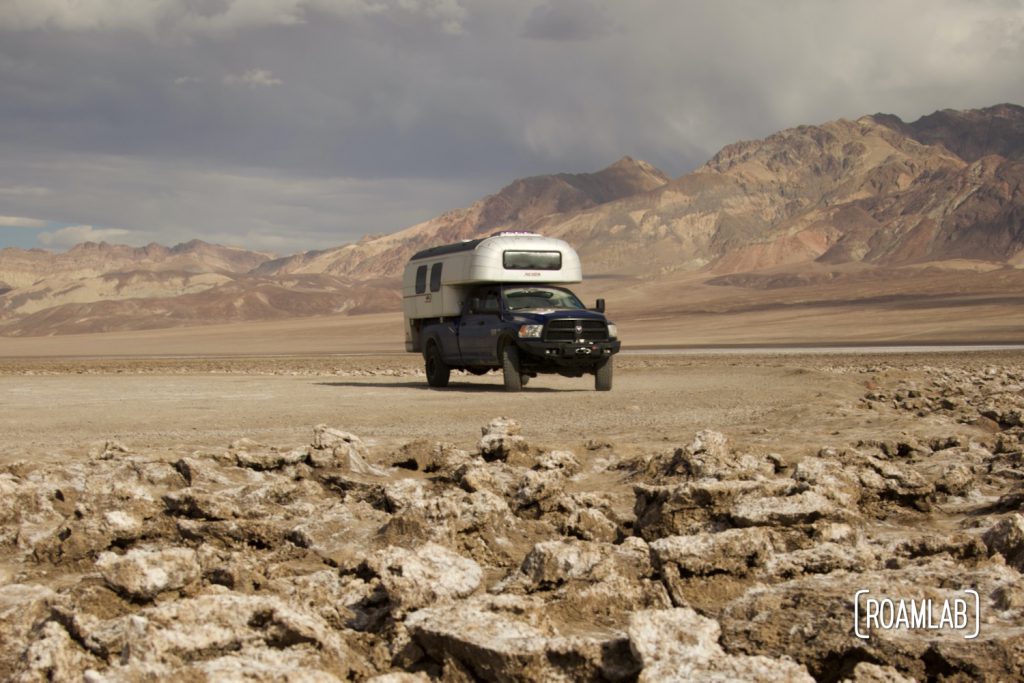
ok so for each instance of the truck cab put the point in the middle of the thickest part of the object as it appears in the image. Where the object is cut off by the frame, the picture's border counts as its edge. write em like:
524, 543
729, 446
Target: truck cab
503, 307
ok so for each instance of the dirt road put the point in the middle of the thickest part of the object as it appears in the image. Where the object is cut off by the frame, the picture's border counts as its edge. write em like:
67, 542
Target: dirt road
63, 408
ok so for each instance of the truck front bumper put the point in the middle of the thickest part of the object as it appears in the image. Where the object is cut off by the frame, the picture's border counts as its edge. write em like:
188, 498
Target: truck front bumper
567, 353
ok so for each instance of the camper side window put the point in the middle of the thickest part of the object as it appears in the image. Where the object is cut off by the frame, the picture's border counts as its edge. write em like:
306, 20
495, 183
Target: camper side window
421, 279
435, 277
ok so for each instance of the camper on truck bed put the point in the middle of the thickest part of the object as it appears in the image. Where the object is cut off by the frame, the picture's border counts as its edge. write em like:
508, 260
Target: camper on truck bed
498, 303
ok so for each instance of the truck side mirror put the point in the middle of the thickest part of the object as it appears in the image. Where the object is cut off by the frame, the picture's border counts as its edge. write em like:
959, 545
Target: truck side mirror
474, 305
600, 306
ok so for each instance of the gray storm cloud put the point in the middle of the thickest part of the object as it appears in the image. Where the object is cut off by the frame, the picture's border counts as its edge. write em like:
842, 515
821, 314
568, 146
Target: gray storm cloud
295, 124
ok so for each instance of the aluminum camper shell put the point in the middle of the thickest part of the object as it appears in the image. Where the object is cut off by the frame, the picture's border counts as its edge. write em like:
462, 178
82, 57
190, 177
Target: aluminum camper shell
437, 281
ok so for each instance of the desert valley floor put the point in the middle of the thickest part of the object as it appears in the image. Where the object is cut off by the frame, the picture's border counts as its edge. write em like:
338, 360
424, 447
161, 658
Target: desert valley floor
713, 515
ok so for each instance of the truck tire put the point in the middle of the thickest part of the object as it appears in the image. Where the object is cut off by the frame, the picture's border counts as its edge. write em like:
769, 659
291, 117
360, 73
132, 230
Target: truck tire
603, 376
438, 373
510, 368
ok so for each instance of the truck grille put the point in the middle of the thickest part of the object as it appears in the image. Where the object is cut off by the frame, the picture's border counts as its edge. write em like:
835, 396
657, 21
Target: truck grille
564, 330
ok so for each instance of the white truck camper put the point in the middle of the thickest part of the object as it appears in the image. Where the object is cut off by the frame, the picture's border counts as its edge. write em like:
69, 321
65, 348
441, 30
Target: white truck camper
496, 303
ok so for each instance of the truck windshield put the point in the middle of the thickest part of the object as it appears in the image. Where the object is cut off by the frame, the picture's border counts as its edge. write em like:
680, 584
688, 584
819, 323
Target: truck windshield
520, 298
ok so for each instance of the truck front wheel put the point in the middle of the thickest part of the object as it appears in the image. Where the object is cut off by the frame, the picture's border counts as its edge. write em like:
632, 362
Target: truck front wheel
510, 368
438, 373
603, 376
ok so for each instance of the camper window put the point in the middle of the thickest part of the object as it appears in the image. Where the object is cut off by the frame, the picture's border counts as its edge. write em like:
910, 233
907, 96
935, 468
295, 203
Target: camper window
435, 277
532, 260
421, 279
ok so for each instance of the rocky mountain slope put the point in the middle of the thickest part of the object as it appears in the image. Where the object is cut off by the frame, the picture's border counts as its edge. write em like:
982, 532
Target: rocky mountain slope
25, 267
873, 190
871, 196
969, 134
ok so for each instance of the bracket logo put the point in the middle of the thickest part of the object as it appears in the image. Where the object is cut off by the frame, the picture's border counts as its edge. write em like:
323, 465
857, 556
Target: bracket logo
960, 613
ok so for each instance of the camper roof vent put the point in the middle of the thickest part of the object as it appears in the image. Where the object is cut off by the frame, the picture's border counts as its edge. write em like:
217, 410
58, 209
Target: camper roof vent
515, 233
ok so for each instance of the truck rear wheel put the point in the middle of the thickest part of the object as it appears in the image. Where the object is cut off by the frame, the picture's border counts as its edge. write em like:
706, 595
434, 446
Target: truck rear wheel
438, 373
510, 368
603, 376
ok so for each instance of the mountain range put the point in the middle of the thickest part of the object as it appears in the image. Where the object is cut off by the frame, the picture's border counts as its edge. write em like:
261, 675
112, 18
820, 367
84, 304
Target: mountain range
853, 211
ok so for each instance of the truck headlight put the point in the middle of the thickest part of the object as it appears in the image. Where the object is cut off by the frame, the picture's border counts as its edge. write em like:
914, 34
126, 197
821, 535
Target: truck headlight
531, 330
613, 331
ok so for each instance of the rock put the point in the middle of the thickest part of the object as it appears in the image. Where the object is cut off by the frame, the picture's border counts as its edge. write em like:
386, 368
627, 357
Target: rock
590, 524
328, 438
343, 601
558, 460
734, 551
270, 460
257, 665
57, 513
23, 608
198, 504
800, 508
122, 525
1006, 442
501, 439
710, 443
538, 490
835, 532
476, 524
143, 574
680, 645
336, 448
830, 477
400, 677
1009, 597
446, 460
956, 480
694, 507
341, 533
852, 477
111, 449
554, 562
821, 559
497, 477
961, 546
600, 580
427, 576
253, 632
894, 482
811, 620
1007, 538
508, 639
54, 656
709, 457
202, 471
442, 459
866, 672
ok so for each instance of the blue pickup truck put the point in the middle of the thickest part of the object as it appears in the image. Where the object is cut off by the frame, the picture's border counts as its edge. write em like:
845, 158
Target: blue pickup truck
497, 303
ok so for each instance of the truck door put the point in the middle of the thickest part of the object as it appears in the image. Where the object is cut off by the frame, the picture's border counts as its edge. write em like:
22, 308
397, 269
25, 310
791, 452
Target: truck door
478, 331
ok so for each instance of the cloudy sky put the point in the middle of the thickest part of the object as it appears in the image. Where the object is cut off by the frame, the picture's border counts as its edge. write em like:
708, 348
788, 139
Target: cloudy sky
285, 125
